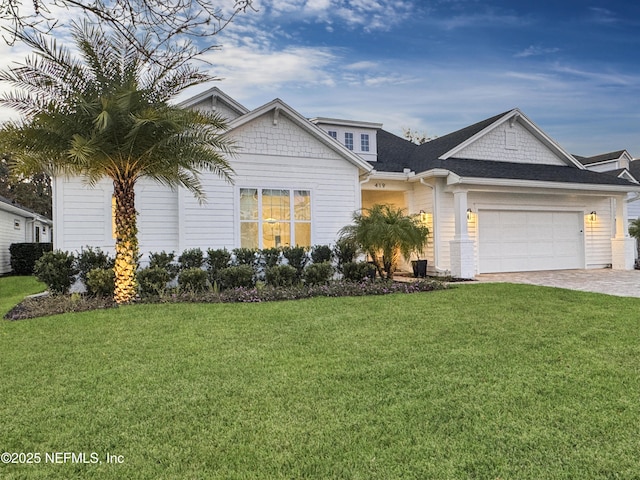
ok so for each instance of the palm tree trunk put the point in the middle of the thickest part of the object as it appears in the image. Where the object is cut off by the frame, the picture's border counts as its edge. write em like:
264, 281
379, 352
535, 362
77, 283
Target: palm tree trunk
126, 241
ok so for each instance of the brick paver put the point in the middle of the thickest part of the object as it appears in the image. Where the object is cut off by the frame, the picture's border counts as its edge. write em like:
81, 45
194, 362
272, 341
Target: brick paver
612, 282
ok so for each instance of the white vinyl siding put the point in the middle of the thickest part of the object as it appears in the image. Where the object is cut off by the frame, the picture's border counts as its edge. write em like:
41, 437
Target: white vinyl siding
8, 235
270, 157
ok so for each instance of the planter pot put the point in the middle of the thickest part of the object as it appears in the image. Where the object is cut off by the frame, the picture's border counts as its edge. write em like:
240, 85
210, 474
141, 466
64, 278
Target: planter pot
372, 271
419, 268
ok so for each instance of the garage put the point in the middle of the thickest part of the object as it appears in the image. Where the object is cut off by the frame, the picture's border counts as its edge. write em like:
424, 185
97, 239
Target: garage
518, 241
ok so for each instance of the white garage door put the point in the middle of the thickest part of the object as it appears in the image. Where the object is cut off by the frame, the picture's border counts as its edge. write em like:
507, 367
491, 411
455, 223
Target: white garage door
519, 241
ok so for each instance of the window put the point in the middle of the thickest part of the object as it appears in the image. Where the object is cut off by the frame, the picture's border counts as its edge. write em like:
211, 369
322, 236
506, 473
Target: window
348, 140
274, 218
333, 134
364, 142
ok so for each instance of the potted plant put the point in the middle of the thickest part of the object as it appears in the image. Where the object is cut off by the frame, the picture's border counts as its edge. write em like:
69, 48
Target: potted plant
419, 267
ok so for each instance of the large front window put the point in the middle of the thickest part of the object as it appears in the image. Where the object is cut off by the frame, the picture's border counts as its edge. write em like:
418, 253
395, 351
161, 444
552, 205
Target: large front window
274, 218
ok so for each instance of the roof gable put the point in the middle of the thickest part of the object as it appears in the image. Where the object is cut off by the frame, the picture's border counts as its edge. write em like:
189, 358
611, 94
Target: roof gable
216, 101
510, 137
616, 160
279, 113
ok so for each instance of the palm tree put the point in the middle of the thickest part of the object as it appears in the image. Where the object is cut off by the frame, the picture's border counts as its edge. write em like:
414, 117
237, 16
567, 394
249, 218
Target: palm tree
386, 233
105, 114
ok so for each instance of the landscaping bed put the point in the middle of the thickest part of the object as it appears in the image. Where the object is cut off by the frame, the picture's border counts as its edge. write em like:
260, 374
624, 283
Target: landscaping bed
44, 305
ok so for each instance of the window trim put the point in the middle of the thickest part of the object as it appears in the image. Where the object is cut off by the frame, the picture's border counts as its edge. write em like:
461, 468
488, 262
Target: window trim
260, 221
348, 135
364, 136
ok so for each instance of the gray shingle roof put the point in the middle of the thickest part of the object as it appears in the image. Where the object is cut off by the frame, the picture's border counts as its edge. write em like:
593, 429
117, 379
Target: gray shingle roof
603, 157
395, 154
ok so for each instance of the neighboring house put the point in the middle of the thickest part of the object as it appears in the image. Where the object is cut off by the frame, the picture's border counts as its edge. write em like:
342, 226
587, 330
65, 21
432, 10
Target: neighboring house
498, 196
620, 164
19, 225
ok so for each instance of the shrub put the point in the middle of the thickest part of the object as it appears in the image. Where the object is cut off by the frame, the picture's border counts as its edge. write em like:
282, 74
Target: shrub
296, 256
344, 251
166, 261
271, 256
235, 277
317, 273
192, 258
217, 260
193, 280
100, 282
321, 254
281, 276
89, 259
244, 256
358, 271
152, 281
57, 270
25, 255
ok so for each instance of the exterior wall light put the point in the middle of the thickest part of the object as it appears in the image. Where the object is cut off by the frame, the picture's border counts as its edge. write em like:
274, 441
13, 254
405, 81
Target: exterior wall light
592, 216
469, 213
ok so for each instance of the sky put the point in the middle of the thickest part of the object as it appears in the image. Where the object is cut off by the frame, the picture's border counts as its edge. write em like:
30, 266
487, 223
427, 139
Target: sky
434, 66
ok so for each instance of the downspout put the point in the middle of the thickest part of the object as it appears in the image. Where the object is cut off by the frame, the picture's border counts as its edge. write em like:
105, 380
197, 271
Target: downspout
366, 179
436, 248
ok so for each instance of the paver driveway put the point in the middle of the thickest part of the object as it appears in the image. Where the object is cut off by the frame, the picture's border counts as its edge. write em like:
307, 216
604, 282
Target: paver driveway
611, 282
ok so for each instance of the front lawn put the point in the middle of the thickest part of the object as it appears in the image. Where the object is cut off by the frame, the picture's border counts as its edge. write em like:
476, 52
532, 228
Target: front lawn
479, 381
14, 289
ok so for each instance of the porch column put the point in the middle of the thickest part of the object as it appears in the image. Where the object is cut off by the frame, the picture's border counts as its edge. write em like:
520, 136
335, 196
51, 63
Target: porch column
622, 246
461, 247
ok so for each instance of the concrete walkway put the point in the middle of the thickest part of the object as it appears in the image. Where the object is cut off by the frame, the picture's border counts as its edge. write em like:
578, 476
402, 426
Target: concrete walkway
612, 282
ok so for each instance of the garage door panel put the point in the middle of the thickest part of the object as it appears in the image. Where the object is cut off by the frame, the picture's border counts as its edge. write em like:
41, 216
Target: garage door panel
512, 241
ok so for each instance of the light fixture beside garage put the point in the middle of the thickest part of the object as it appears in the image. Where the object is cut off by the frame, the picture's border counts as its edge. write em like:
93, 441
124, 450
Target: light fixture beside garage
592, 216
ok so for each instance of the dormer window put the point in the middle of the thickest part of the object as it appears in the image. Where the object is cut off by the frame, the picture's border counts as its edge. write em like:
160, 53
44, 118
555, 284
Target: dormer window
348, 140
364, 142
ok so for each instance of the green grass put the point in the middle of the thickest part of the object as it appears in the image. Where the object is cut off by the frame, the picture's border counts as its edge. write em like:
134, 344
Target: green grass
14, 289
480, 381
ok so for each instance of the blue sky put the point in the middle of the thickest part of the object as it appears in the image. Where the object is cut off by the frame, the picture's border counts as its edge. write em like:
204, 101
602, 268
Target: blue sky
436, 66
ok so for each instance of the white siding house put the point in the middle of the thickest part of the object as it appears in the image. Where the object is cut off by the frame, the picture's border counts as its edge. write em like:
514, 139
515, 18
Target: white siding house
293, 185
20, 225
499, 195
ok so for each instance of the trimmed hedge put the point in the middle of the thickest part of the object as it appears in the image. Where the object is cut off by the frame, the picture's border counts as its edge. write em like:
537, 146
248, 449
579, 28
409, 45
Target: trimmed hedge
25, 255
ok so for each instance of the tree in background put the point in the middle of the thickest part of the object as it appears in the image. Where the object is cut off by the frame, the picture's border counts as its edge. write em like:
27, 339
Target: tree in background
417, 137
174, 27
105, 114
33, 192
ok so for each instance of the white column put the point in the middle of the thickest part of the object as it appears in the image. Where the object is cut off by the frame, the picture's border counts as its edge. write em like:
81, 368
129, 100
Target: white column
461, 247
622, 246
460, 213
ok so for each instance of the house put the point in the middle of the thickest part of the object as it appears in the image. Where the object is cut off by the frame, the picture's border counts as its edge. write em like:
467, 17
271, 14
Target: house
19, 225
498, 196
621, 164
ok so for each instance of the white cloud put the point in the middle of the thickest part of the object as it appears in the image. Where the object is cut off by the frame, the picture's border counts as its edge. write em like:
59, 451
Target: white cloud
366, 65
536, 50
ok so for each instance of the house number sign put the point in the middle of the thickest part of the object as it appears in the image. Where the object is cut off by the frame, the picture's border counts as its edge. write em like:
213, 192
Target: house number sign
380, 185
